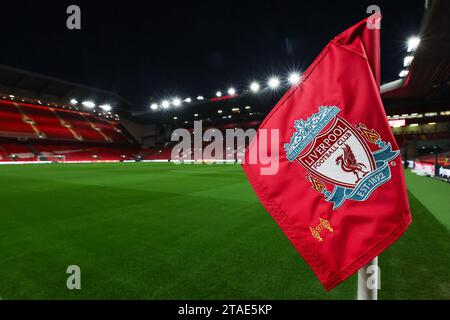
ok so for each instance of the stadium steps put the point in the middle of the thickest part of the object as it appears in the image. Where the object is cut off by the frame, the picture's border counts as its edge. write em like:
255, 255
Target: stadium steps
27, 119
67, 125
47, 123
94, 127
12, 124
80, 126
112, 131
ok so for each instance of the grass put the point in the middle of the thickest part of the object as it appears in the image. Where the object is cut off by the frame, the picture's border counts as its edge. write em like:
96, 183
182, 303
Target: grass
161, 231
433, 193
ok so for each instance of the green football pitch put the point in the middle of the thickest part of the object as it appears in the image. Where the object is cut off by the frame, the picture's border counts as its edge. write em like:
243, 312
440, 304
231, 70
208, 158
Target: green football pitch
165, 231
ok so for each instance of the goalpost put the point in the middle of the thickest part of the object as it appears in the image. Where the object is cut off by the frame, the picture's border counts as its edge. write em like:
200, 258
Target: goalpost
53, 158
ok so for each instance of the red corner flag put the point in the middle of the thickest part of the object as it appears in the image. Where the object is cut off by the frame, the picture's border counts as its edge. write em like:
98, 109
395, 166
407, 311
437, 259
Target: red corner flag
339, 192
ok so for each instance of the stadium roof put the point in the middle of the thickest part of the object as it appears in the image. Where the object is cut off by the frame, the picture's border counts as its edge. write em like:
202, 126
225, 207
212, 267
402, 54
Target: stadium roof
428, 83
40, 87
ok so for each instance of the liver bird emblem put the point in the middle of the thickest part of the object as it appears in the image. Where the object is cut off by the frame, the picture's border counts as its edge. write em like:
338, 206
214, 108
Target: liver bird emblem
348, 163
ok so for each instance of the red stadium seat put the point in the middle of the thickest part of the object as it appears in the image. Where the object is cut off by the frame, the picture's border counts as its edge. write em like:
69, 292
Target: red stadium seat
12, 122
16, 152
52, 132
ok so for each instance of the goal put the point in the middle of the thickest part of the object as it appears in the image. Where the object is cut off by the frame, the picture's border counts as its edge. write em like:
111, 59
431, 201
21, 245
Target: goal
53, 158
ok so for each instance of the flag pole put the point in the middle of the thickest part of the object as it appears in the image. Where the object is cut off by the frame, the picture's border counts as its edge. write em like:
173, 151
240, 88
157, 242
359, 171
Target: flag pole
369, 276
369, 281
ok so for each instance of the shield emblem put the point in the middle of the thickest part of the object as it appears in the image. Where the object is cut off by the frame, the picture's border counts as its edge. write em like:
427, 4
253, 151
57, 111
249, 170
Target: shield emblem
338, 155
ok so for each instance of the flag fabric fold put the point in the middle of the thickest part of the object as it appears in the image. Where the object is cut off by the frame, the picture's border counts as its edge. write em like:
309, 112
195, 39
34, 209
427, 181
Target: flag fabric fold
339, 194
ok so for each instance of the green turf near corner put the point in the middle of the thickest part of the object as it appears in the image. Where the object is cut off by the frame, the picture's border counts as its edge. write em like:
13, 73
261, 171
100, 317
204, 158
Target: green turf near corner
164, 231
416, 266
434, 194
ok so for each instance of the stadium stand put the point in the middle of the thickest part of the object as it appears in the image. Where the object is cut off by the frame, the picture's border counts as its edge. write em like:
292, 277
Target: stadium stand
29, 121
13, 123
33, 151
38, 133
417, 107
442, 159
16, 152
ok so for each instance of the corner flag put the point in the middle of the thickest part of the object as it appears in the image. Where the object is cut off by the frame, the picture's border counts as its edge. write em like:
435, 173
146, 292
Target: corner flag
339, 194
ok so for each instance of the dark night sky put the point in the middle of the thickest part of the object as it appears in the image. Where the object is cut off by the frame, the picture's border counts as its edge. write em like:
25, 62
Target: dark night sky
144, 49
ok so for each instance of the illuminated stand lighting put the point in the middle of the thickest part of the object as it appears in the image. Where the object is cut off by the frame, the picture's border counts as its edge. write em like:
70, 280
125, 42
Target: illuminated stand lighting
176, 102
154, 106
231, 91
254, 87
165, 104
273, 83
105, 107
73, 101
88, 104
403, 73
294, 78
413, 44
407, 61
397, 123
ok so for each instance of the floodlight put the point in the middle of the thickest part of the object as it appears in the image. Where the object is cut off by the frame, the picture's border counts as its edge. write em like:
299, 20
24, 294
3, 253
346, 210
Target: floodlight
254, 87
176, 102
88, 104
273, 83
407, 61
403, 73
413, 43
165, 104
105, 107
294, 78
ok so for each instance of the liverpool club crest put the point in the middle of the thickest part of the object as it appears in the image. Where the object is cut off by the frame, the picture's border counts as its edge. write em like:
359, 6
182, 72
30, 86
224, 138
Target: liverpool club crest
338, 154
